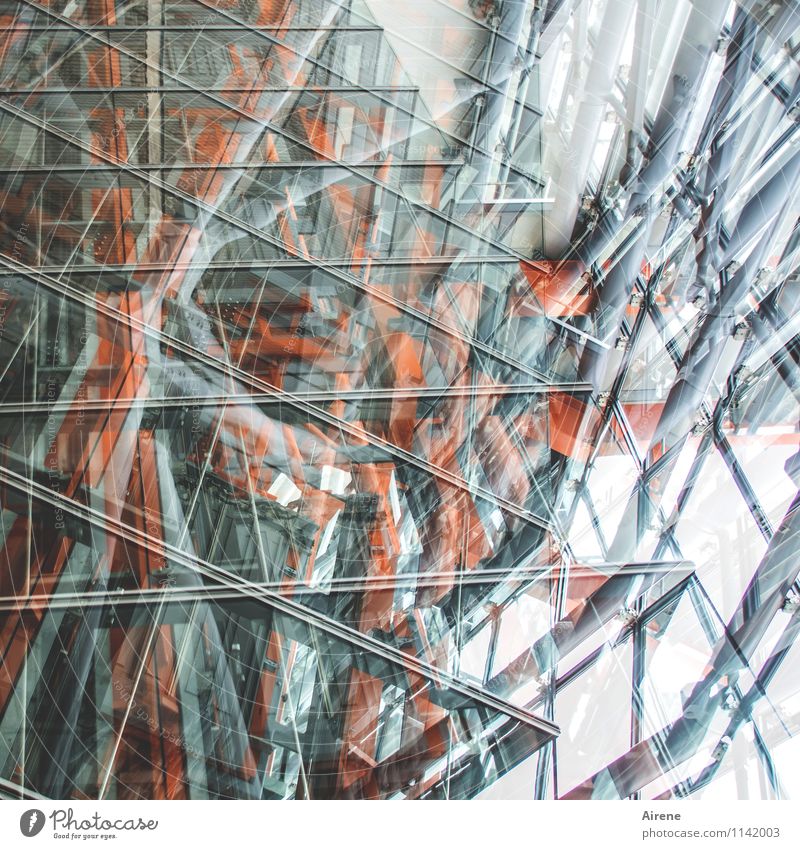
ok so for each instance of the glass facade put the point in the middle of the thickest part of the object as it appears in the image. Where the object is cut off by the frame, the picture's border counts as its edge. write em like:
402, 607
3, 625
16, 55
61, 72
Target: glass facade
399, 400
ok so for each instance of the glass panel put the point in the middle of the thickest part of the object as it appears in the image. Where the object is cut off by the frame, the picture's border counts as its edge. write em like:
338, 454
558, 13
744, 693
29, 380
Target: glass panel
583, 707
717, 532
677, 655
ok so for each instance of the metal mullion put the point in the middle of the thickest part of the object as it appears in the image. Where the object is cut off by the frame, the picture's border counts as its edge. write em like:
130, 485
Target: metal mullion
305, 165
595, 519
743, 485
638, 669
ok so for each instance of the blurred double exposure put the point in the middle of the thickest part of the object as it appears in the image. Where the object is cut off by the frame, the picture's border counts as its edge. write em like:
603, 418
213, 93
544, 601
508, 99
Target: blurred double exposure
399, 400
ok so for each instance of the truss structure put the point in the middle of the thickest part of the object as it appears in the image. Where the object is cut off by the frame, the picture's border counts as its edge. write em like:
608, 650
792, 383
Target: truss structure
399, 400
